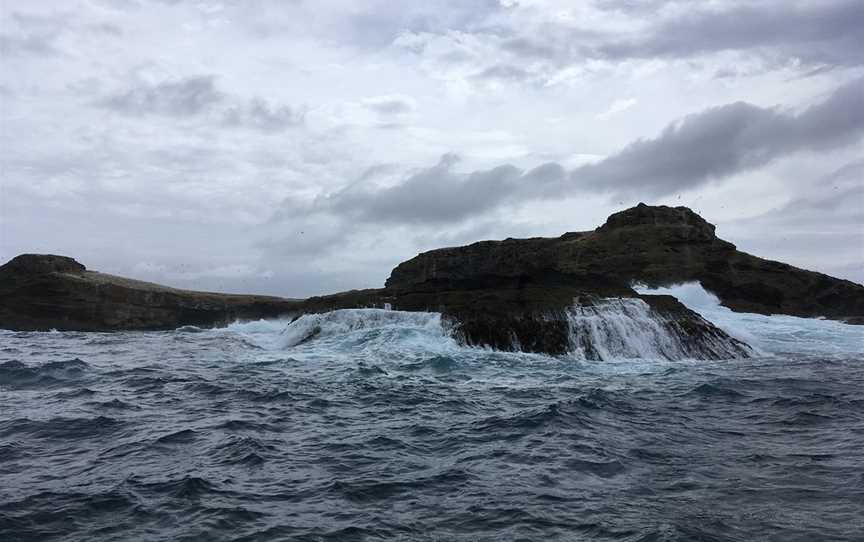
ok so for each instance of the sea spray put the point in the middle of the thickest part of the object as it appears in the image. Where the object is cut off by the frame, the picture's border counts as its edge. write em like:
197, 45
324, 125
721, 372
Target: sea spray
613, 329
310, 326
769, 335
606, 329
627, 328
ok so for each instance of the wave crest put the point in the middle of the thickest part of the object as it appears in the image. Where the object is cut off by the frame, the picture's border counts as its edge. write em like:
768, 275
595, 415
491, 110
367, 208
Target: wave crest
348, 321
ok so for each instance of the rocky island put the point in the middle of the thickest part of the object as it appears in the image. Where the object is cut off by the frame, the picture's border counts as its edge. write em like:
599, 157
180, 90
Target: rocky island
525, 294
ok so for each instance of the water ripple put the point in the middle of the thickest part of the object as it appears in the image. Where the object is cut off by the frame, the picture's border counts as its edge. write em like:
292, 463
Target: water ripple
390, 435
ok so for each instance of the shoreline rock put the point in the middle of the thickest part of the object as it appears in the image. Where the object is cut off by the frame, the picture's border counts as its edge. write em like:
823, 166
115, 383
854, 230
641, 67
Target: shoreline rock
650, 245
39, 292
510, 294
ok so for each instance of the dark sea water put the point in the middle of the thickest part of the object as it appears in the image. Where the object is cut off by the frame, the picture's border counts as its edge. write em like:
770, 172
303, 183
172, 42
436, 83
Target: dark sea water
390, 431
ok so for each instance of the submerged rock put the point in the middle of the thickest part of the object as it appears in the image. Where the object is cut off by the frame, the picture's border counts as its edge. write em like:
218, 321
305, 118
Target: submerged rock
553, 295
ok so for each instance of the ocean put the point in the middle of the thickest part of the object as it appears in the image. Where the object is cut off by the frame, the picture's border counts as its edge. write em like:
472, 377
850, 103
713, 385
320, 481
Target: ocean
382, 427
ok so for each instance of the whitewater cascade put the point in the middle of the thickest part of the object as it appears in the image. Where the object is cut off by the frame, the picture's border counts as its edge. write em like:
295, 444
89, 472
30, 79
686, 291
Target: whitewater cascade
346, 321
603, 330
769, 335
624, 328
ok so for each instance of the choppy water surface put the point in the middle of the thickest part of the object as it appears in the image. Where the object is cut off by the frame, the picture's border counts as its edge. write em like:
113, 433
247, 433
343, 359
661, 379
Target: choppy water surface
382, 428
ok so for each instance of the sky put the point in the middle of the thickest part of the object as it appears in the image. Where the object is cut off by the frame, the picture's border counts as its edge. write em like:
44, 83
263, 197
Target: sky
300, 147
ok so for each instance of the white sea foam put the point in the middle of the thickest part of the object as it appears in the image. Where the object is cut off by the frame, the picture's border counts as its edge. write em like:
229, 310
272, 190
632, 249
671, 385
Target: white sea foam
620, 329
777, 334
612, 329
361, 334
262, 333
347, 321
616, 329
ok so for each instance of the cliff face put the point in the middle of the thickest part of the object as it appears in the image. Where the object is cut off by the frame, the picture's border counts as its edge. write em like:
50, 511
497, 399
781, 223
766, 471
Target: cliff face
649, 245
523, 294
42, 292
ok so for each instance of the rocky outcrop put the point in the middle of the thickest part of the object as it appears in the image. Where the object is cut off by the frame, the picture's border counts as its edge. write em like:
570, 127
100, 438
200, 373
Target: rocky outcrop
42, 292
533, 316
649, 245
527, 294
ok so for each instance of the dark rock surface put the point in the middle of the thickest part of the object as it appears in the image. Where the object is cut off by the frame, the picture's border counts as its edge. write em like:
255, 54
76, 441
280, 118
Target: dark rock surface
507, 294
42, 292
534, 318
655, 246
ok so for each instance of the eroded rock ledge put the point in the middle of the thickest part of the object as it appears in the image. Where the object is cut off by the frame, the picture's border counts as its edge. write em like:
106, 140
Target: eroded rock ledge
508, 294
655, 246
43, 292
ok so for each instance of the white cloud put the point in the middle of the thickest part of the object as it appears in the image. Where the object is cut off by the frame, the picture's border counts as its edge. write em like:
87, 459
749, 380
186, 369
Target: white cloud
618, 106
206, 131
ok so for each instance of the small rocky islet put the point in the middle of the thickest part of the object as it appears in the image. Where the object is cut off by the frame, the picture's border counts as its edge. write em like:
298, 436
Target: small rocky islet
515, 294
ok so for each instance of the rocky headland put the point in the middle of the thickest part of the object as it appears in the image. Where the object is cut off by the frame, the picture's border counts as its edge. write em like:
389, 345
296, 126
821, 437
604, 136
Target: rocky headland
510, 294
41, 292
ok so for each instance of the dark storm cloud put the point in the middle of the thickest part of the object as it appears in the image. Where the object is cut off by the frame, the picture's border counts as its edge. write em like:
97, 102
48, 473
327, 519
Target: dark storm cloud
439, 195
723, 141
820, 35
436, 194
819, 32
191, 96
703, 147
177, 98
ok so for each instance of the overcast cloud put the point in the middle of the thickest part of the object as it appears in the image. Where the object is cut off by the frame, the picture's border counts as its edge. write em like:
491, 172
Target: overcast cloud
304, 147
708, 146
809, 32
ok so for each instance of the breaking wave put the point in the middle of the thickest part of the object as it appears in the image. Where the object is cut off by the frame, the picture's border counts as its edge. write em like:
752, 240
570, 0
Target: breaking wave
357, 323
615, 329
345, 417
611, 330
770, 335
